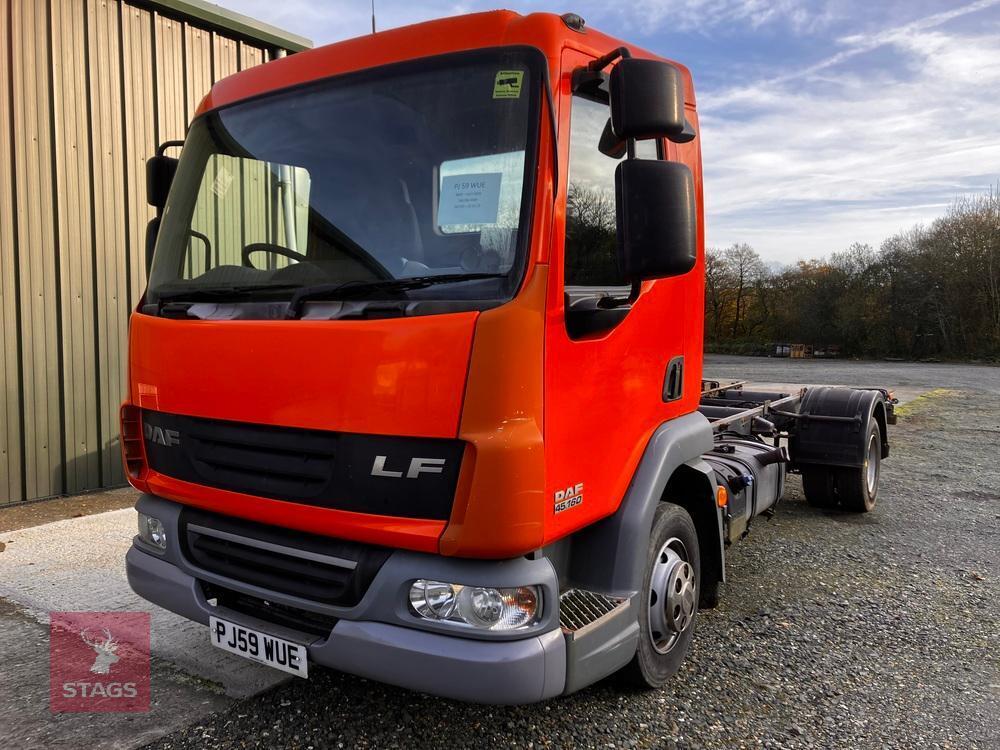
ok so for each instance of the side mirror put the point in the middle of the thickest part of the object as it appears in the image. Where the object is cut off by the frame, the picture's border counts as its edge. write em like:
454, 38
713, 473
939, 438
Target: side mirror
160, 171
610, 144
647, 99
657, 219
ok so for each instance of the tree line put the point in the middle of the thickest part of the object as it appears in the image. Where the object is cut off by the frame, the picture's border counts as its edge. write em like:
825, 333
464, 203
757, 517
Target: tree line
926, 293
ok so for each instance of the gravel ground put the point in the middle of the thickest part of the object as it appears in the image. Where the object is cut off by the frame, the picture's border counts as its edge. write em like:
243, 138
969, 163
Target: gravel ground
875, 631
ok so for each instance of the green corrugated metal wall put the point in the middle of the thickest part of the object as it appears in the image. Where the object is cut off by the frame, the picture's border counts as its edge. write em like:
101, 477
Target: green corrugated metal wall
87, 90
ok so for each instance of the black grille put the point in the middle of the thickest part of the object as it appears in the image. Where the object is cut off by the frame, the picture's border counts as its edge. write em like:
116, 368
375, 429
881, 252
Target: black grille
265, 461
311, 467
262, 609
316, 568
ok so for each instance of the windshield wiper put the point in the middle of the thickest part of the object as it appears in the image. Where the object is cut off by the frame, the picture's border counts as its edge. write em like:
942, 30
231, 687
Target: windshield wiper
349, 289
217, 293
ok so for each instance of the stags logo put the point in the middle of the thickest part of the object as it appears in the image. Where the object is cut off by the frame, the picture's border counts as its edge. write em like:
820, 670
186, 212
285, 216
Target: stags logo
99, 662
104, 646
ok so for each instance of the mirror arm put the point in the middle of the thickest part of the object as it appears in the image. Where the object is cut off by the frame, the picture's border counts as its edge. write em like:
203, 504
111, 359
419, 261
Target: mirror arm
636, 289
168, 144
605, 60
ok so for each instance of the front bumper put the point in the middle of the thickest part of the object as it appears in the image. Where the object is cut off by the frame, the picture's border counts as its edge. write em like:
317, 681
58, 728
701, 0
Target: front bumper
372, 639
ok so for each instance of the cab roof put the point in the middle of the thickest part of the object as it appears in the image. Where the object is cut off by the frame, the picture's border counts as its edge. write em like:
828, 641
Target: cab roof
546, 31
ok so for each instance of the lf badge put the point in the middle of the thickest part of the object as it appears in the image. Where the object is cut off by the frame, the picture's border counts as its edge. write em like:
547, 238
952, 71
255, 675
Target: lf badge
569, 497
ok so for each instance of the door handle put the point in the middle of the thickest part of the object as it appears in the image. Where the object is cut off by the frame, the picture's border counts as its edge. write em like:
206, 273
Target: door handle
673, 381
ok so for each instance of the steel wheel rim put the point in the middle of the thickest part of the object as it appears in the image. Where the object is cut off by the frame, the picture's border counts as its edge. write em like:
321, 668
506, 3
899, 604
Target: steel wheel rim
871, 465
673, 597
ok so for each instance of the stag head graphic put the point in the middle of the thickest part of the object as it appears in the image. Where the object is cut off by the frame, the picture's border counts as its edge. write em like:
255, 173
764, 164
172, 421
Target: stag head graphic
104, 645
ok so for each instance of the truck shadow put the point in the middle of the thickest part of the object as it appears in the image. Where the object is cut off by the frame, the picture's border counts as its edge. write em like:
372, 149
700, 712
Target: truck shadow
408, 719
793, 504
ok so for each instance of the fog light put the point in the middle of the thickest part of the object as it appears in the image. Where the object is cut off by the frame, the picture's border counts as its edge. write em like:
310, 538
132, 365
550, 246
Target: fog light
151, 531
480, 607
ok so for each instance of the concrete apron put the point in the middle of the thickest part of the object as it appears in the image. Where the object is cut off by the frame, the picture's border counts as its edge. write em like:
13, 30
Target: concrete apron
78, 565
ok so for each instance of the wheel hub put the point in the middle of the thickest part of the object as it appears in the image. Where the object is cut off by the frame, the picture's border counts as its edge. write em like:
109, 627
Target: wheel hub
673, 597
872, 464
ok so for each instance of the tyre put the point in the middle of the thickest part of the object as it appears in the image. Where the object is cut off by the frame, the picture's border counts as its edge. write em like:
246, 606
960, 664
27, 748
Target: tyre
819, 484
668, 603
858, 487
854, 489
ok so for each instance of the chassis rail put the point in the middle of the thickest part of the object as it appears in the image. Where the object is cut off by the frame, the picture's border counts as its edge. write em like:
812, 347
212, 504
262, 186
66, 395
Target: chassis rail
732, 409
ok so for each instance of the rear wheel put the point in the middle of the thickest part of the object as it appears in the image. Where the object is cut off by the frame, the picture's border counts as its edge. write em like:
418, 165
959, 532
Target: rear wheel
668, 603
858, 487
854, 488
819, 486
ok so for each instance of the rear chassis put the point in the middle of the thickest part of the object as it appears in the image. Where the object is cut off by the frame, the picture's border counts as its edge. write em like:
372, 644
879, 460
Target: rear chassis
760, 435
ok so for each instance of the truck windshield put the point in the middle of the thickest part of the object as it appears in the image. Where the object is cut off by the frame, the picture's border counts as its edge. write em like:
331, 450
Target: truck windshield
409, 172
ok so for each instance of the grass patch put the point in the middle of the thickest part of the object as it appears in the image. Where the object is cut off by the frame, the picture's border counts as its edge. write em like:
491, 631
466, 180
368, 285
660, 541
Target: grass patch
922, 401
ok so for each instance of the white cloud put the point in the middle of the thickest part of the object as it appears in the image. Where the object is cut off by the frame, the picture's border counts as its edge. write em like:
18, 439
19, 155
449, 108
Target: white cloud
706, 15
325, 21
806, 163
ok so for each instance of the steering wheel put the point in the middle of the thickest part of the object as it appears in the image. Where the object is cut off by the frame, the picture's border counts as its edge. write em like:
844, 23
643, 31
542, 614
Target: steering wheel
269, 247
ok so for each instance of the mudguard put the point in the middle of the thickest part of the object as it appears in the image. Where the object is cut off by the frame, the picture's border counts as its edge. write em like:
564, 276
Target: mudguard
833, 425
610, 555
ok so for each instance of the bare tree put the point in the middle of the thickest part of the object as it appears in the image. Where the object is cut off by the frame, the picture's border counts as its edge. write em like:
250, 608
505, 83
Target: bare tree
926, 292
745, 268
717, 286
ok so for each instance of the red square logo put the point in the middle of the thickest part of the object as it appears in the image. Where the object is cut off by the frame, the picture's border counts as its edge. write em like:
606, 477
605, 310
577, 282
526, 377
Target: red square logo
99, 662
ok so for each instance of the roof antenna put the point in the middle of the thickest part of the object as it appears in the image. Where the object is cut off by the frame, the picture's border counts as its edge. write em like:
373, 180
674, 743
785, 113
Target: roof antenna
373, 16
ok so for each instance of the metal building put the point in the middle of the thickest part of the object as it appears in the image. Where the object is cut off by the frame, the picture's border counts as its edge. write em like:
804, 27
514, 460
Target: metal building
88, 88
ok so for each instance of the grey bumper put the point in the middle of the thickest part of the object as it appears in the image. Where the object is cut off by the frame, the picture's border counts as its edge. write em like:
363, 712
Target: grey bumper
486, 671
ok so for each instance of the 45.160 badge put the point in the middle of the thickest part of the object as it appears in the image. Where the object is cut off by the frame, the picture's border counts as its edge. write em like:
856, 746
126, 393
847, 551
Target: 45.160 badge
569, 497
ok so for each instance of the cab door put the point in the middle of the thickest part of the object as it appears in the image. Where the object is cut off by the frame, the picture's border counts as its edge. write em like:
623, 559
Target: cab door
614, 371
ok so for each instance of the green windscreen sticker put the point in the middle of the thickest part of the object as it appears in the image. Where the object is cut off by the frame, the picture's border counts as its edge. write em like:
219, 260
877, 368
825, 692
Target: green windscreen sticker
507, 84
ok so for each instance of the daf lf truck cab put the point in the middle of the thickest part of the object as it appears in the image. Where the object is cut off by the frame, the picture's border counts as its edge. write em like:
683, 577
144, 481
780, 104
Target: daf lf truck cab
415, 388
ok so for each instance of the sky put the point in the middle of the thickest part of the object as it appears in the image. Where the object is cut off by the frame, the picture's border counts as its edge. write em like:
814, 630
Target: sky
823, 123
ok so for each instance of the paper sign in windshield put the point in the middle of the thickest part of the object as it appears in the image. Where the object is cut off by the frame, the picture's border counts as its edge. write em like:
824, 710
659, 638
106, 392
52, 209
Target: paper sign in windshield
469, 199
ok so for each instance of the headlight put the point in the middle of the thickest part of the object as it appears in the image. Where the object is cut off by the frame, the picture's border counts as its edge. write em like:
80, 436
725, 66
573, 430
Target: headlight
480, 607
151, 531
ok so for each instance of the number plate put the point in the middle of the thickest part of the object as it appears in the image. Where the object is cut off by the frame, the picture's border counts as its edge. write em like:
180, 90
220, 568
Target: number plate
252, 644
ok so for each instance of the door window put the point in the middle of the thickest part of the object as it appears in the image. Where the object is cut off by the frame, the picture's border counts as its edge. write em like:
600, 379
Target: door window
591, 239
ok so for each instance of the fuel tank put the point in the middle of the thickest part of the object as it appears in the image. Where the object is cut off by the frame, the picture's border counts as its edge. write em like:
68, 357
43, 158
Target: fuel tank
753, 473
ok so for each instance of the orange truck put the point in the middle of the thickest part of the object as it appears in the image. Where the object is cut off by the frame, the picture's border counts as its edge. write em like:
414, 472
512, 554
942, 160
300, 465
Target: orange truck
415, 388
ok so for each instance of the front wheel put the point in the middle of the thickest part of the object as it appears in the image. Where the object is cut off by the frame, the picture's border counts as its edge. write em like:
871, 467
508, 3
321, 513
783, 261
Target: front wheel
668, 602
